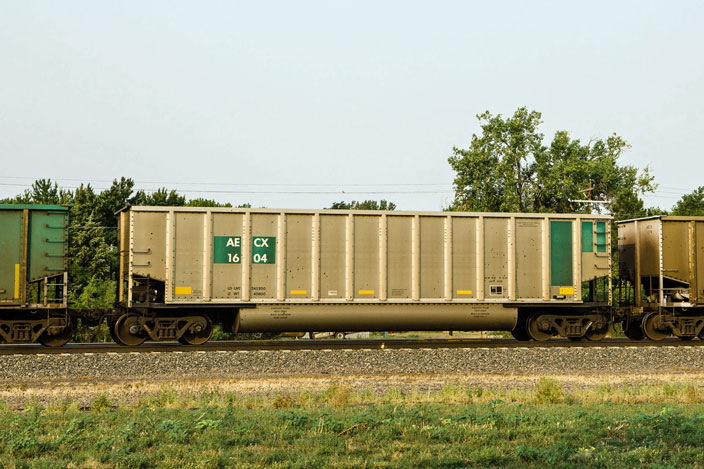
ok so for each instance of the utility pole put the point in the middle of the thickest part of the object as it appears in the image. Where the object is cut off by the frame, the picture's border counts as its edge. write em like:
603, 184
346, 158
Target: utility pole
587, 193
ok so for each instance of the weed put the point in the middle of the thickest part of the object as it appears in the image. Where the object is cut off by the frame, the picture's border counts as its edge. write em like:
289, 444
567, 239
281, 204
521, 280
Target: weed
452, 393
526, 453
692, 394
393, 394
549, 391
207, 423
295, 419
164, 398
173, 430
337, 395
670, 390
101, 403
25, 446
283, 401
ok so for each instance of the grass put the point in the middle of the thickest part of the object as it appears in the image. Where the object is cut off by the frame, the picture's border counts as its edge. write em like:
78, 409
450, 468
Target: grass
660, 425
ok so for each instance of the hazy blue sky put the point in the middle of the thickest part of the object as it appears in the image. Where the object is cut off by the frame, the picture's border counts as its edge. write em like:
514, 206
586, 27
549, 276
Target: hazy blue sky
330, 96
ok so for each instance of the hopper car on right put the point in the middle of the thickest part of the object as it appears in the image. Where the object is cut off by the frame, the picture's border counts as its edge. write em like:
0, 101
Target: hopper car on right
662, 259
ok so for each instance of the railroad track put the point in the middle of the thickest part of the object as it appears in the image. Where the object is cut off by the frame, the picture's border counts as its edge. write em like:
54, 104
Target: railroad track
333, 344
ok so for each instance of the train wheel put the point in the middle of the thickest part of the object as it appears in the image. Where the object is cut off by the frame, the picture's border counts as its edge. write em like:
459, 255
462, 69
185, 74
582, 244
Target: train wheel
198, 337
57, 340
651, 327
520, 332
127, 331
633, 330
111, 329
539, 330
596, 334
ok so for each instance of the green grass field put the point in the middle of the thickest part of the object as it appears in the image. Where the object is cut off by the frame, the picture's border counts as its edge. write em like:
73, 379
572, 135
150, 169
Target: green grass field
651, 426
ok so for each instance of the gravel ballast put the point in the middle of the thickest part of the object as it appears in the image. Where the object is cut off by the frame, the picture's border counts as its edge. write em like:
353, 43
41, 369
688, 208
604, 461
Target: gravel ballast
269, 364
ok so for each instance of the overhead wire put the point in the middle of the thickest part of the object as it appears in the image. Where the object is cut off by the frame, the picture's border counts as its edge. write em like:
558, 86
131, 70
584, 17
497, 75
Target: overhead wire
275, 192
245, 184
665, 192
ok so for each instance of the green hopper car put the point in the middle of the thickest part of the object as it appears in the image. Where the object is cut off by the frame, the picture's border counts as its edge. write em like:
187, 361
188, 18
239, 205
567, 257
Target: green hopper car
33, 274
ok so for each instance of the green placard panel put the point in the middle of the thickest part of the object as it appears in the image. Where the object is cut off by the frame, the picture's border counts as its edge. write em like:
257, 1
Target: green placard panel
263, 250
587, 236
227, 249
600, 236
560, 253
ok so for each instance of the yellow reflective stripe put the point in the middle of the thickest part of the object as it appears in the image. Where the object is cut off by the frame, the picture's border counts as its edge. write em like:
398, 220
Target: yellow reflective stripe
17, 280
299, 292
464, 292
566, 290
183, 291
366, 292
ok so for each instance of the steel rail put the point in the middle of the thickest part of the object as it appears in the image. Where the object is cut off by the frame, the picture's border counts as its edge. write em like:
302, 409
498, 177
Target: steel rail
332, 344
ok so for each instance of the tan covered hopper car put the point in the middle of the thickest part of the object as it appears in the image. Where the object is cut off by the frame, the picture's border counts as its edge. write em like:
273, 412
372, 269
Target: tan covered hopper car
333, 270
663, 259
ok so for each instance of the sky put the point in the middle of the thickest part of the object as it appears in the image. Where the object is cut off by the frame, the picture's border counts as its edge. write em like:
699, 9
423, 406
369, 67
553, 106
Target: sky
301, 104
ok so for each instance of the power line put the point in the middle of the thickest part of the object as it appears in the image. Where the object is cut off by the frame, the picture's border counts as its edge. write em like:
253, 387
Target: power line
252, 192
661, 194
661, 190
230, 184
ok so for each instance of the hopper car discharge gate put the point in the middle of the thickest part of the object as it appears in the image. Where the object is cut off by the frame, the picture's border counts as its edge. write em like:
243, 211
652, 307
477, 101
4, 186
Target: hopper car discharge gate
182, 269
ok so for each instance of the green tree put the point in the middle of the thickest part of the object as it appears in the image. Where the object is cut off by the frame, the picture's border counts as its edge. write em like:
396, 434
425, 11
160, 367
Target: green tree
43, 191
91, 256
84, 203
116, 197
92, 252
508, 168
496, 172
96, 214
160, 197
200, 202
691, 205
364, 205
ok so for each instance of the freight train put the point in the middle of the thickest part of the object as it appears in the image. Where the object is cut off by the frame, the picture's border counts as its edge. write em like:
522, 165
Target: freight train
183, 270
